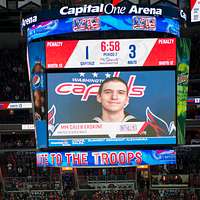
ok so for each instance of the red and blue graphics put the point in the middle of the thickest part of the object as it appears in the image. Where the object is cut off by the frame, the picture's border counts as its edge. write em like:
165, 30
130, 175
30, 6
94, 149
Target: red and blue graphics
73, 106
193, 100
106, 158
195, 10
15, 105
108, 53
103, 23
38, 81
37, 76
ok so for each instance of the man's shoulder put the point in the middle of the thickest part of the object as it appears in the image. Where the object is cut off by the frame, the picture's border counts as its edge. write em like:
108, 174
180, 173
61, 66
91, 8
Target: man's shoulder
129, 118
97, 119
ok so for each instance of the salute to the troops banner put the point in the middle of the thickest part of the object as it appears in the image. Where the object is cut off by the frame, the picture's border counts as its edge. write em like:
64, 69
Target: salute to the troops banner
106, 158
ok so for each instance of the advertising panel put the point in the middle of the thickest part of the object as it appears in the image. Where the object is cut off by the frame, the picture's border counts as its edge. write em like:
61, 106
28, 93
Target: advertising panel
193, 100
103, 23
109, 53
183, 60
105, 158
37, 76
15, 105
111, 108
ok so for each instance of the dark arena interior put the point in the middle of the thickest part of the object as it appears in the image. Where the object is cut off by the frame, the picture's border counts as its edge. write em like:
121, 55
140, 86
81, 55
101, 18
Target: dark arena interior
59, 139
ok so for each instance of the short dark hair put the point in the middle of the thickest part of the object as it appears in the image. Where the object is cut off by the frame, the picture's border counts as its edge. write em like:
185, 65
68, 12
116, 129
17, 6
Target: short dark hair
38, 64
109, 80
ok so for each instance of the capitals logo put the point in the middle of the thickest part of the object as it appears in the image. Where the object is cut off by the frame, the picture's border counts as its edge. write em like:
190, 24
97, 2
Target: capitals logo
51, 120
78, 87
158, 125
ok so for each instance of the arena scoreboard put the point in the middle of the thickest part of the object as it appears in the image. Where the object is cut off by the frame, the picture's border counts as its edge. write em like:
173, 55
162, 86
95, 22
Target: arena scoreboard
70, 93
72, 54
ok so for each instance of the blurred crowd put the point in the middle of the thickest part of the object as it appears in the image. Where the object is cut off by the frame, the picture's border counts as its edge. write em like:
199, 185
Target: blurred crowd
173, 194
105, 195
14, 82
116, 195
90, 172
193, 111
193, 136
21, 173
17, 140
55, 195
19, 116
194, 61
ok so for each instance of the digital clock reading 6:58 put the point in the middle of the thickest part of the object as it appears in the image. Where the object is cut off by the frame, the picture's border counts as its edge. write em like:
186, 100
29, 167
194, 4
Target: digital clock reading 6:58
110, 46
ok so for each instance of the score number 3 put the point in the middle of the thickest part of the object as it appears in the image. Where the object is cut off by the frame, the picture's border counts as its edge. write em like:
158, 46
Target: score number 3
132, 49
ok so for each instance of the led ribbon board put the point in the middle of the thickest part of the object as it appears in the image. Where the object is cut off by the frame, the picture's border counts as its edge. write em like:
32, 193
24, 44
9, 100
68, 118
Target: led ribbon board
106, 158
103, 23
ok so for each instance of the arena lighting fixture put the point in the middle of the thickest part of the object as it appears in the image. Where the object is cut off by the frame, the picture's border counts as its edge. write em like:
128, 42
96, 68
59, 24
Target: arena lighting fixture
67, 168
143, 167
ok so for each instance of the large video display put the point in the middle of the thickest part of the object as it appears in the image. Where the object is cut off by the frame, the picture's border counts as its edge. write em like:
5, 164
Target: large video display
65, 78
67, 73
100, 108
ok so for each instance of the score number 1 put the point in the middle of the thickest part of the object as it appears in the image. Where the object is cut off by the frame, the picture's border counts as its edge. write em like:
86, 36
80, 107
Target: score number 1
86, 53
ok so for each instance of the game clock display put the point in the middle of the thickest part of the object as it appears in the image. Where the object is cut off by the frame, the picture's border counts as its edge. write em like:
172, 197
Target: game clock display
110, 46
108, 53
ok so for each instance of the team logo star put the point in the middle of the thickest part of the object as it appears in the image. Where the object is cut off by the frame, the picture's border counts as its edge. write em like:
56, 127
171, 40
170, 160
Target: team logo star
82, 74
95, 75
107, 75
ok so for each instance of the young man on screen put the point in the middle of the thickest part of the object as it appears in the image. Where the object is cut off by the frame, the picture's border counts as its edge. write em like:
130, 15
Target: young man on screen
113, 97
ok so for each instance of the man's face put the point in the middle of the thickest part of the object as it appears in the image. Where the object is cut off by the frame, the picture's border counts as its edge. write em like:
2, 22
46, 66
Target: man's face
38, 68
114, 96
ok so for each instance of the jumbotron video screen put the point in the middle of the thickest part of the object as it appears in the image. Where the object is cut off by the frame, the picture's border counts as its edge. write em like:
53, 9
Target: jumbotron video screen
84, 116
108, 92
